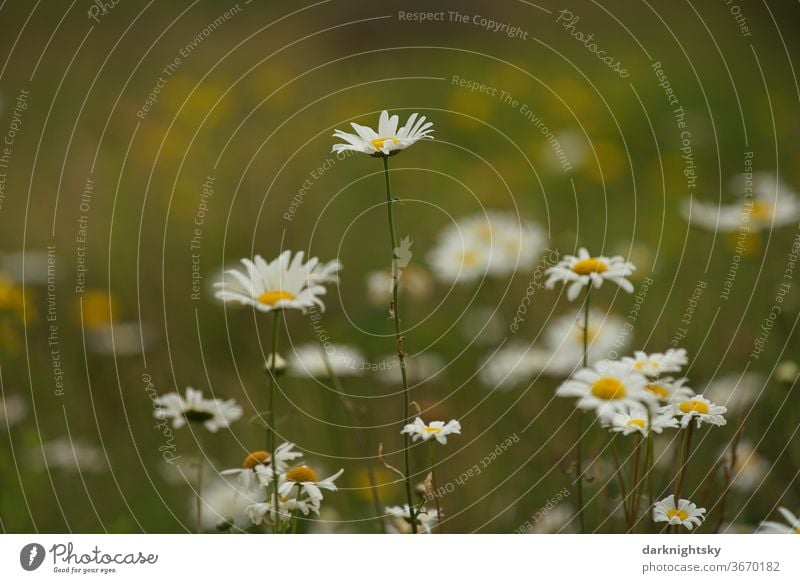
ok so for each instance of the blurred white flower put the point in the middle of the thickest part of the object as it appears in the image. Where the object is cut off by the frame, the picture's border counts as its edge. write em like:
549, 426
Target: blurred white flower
416, 282
120, 339
438, 430
284, 283
696, 408
792, 525
213, 414
655, 364
307, 360
419, 367
557, 520
400, 520
513, 364
582, 270
737, 391
13, 410
638, 419
224, 504
607, 387
685, 513
74, 455
388, 140
773, 204
563, 337
749, 469
494, 244
668, 389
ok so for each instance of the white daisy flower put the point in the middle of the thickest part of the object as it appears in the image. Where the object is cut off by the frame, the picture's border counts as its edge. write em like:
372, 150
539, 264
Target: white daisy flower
258, 513
658, 363
685, 514
696, 407
513, 364
668, 389
563, 337
284, 283
792, 525
248, 474
435, 429
636, 419
388, 140
306, 480
307, 360
400, 522
584, 270
70, 455
213, 414
607, 387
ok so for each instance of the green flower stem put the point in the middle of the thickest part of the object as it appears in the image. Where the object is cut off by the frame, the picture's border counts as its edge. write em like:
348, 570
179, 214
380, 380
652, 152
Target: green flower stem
271, 430
355, 421
636, 480
687, 444
395, 311
621, 479
199, 485
432, 455
578, 460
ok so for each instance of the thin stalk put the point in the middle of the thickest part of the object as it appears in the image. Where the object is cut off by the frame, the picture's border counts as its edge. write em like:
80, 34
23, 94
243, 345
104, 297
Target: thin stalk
199, 501
684, 461
728, 477
271, 430
395, 311
578, 453
355, 421
621, 479
432, 455
635, 480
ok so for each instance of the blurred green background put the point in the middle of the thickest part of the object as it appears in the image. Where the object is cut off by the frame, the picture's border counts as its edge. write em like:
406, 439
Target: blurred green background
253, 104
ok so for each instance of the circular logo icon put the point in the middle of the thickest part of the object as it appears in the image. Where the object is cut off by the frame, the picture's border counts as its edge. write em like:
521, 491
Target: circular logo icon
31, 556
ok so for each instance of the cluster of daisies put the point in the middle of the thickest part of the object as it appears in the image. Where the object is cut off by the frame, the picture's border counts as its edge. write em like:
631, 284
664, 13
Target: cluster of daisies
639, 395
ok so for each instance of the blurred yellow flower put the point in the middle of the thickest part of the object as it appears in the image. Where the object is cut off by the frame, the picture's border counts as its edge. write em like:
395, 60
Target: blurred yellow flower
16, 300
99, 308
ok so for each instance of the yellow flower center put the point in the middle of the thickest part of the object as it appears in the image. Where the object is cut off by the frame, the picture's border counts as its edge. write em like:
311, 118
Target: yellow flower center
433, 429
763, 210
470, 258
796, 531
256, 458
591, 265
693, 405
637, 423
679, 513
270, 298
301, 474
658, 390
379, 142
608, 388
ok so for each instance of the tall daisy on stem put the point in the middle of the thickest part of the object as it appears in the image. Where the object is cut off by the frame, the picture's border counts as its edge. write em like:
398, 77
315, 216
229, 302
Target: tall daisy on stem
285, 283
430, 432
193, 408
579, 271
386, 142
